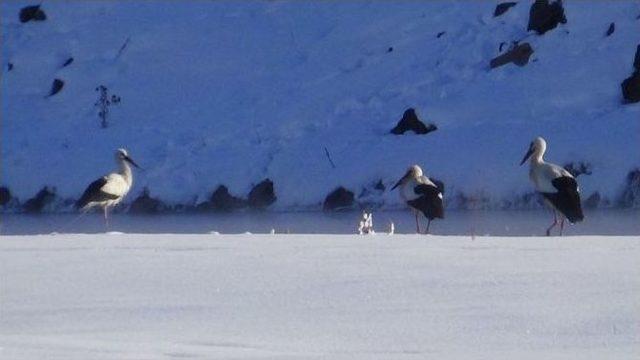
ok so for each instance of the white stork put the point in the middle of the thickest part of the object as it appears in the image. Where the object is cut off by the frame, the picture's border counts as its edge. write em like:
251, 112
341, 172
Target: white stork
110, 189
558, 187
421, 194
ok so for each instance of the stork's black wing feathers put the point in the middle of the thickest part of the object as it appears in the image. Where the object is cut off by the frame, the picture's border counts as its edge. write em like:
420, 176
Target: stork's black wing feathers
429, 202
567, 199
94, 193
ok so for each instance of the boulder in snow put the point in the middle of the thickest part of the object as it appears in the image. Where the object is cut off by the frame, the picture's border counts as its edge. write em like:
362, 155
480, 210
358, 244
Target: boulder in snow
338, 199
222, 200
545, 16
44, 197
518, 55
262, 195
503, 8
32, 12
611, 29
631, 88
56, 86
410, 122
5, 196
145, 204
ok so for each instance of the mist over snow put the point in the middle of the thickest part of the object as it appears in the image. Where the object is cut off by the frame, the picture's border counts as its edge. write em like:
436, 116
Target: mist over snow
235, 92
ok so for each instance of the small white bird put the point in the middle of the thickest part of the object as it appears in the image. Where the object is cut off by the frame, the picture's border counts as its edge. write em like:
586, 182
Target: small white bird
421, 194
110, 189
558, 187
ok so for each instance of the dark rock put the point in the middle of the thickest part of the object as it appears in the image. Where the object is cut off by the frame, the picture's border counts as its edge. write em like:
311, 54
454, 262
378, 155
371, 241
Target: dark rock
338, 199
545, 16
518, 55
221, 200
262, 195
68, 62
9, 66
38, 202
631, 194
145, 204
631, 88
593, 201
56, 87
440, 34
5, 196
390, 49
32, 12
636, 59
503, 8
410, 122
611, 29
578, 168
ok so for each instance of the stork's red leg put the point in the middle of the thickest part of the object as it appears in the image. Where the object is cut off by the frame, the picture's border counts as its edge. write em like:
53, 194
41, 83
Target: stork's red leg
561, 225
555, 222
417, 223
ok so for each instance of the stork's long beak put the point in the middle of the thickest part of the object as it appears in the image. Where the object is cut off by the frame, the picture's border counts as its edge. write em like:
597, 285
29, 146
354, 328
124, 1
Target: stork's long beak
527, 155
400, 181
130, 161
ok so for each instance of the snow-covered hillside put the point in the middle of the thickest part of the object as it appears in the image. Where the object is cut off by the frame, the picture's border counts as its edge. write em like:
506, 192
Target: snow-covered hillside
234, 92
318, 297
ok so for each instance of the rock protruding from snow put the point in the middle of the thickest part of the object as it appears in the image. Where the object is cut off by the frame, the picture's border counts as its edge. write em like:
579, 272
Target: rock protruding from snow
503, 8
5, 196
410, 122
222, 200
545, 16
262, 195
56, 87
611, 29
145, 204
338, 199
631, 195
631, 88
37, 203
32, 12
518, 55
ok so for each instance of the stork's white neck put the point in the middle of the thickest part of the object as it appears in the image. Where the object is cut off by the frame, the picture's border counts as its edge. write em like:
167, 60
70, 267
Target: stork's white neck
125, 171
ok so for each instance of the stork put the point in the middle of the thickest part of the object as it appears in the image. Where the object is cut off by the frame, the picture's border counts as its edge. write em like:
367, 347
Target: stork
110, 189
558, 187
421, 194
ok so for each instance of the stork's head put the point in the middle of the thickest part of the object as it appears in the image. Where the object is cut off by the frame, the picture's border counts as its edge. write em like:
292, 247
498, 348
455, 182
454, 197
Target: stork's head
413, 172
538, 146
122, 155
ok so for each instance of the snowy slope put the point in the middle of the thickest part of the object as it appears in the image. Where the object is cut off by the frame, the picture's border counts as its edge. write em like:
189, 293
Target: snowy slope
318, 297
228, 92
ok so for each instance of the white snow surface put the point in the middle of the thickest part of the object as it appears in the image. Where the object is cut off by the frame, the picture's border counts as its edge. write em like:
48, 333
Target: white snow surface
232, 92
128, 296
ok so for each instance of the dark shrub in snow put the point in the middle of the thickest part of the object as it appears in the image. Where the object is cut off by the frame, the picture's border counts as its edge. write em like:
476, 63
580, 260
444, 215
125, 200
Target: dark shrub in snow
631, 88
221, 200
56, 86
410, 122
518, 55
593, 201
5, 196
38, 202
578, 168
545, 16
145, 204
631, 194
262, 195
32, 12
503, 8
338, 199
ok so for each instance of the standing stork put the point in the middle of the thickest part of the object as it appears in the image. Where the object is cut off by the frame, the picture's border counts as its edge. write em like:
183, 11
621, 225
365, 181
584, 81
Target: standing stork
110, 189
421, 194
558, 187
